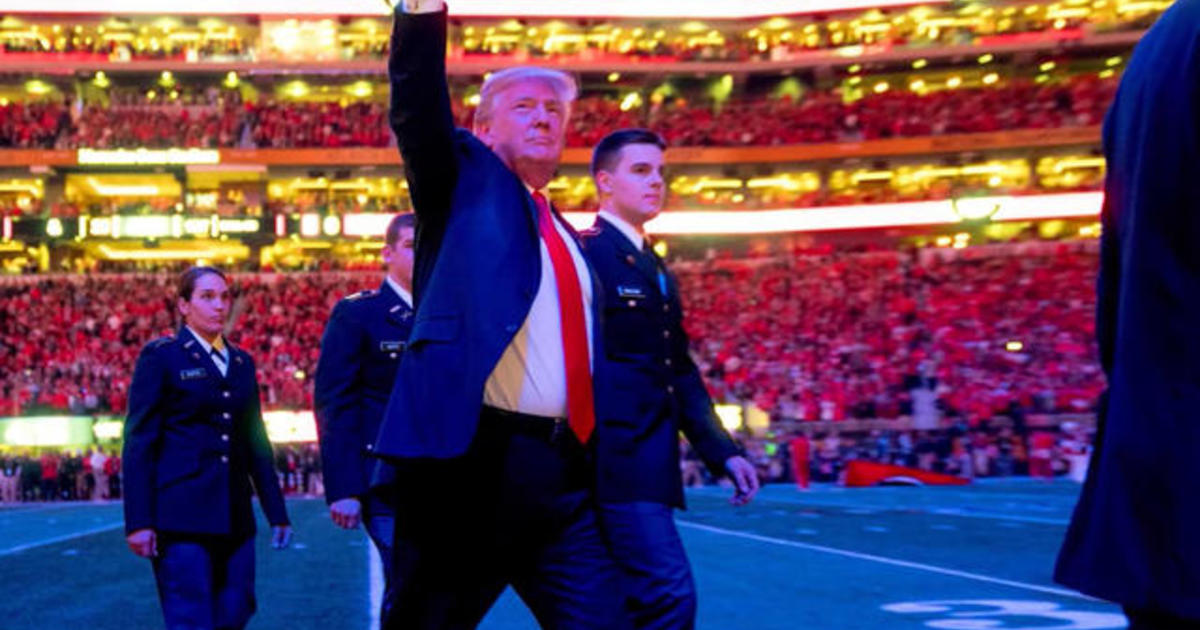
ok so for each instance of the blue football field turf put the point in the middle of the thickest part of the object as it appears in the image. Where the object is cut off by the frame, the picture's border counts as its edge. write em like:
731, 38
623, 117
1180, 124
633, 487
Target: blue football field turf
965, 558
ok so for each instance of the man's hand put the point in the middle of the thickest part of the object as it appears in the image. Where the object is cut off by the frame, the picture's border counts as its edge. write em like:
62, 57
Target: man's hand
744, 477
143, 543
346, 513
281, 536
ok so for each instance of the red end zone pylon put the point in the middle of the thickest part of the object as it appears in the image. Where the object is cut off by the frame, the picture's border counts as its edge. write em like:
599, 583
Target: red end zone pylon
861, 474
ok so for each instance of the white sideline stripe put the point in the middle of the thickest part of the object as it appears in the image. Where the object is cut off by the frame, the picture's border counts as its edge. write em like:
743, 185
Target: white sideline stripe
884, 560
58, 539
374, 585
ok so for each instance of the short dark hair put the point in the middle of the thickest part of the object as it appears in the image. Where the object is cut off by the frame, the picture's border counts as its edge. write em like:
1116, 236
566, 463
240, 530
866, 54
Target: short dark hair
188, 279
608, 152
399, 222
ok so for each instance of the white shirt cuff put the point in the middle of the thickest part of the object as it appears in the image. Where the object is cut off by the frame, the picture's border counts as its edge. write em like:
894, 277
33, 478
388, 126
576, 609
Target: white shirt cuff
420, 6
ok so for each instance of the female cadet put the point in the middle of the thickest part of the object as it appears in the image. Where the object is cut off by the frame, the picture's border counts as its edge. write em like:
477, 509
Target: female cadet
194, 442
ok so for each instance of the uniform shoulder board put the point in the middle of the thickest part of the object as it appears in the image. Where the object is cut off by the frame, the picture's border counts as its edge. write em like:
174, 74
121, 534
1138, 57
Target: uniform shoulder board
160, 342
589, 234
237, 353
363, 294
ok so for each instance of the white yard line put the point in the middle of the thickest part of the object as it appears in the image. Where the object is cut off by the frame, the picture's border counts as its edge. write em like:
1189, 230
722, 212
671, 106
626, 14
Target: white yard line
57, 539
374, 585
928, 568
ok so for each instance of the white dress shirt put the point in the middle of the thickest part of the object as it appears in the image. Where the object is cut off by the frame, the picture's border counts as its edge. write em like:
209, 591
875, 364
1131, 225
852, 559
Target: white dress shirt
405, 296
420, 6
222, 366
531, 376
624, 227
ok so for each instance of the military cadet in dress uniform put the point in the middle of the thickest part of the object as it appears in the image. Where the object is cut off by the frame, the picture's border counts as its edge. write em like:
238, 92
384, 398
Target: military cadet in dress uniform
364, 340
194, 443
653, 390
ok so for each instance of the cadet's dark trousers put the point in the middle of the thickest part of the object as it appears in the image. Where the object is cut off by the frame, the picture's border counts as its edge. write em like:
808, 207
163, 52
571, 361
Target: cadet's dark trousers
659, 591
1150, 620
205, 582
514, 510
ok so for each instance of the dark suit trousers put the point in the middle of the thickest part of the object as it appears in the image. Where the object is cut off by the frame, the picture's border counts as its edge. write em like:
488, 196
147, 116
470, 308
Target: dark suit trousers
515, 510
205, 582
659, 590
379, 519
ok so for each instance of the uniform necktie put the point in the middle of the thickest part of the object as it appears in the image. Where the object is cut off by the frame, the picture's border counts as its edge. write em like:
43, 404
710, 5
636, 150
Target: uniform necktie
648, 248
581, 411
219, 358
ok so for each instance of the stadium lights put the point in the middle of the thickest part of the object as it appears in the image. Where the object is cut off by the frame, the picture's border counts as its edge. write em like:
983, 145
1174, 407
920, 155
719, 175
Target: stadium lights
921, 213
111, 190
147, 157
704, 9
45, 431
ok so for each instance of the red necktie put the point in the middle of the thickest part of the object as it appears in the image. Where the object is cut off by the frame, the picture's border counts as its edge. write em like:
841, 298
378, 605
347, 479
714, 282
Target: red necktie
581, 411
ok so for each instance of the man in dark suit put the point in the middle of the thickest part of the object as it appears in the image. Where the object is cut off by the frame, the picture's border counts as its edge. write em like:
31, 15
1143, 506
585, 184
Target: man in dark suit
493, 406
363, 342
1133, 538
655, 389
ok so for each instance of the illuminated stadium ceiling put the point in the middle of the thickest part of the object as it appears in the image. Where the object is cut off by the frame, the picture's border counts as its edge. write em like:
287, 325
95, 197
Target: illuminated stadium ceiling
506, 8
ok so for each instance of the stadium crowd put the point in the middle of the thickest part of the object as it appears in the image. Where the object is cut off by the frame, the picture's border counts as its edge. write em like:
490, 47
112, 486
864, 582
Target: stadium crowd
781, 39
814, 336
871, 335
818, 117
49, 474
94, 474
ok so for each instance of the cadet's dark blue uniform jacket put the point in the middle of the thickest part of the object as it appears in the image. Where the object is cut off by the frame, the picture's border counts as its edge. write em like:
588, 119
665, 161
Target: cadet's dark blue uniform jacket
194, 441
1134, 537
654, 389
364, 340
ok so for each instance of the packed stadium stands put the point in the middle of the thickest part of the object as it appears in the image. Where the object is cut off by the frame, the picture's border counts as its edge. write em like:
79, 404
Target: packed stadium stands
819, 117
807, 337
678, 40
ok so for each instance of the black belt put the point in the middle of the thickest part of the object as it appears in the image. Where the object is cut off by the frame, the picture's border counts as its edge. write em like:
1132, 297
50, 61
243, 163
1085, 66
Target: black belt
552, 430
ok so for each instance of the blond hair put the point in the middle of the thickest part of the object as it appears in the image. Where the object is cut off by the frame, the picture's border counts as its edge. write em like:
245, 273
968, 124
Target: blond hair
563, 84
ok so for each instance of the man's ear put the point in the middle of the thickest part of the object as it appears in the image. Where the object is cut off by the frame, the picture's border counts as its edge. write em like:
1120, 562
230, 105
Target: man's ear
604, 182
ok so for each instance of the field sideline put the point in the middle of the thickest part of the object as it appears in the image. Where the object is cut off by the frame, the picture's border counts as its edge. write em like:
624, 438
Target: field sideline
832, 558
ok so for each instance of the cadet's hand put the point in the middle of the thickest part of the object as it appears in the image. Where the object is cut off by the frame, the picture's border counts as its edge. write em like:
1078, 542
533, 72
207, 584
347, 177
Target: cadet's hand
281, 536
744, 477
346, 513
143, 543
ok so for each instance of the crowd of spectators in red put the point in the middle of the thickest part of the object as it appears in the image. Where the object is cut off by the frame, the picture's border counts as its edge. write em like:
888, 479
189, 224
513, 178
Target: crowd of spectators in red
829, 336
738, 45
820, 117
838, 336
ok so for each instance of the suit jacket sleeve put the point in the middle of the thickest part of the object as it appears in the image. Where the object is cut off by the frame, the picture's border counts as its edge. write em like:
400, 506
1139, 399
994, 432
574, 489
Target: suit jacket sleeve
698, 419
339, 415
143, 429
420, 112
262, 468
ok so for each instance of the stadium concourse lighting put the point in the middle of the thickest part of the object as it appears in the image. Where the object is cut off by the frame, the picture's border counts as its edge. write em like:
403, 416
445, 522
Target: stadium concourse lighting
920, 213
699, 9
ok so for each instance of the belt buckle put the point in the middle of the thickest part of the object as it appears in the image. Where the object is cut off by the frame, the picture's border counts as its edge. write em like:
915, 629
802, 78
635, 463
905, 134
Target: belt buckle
556, 433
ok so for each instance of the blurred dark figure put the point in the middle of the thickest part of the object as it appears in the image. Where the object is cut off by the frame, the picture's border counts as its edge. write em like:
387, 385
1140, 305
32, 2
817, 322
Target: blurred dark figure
1133, 537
